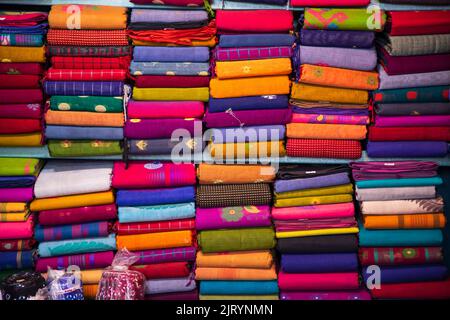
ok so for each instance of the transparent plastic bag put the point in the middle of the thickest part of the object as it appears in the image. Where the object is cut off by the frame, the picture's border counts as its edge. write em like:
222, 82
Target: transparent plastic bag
64, 285
120, 283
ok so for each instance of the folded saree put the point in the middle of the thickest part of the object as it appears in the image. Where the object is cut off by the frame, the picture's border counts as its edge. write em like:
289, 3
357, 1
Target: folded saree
87, 17
329, 3
166, 81
399, 193
34, 139
159, 128
319, 244
247, 150
210, 297
253, 21
435, 205
166, 285
159, 240
171, 94
417, 22
86, 74
16, 181
20, 166
232, 88
174, 296
376, 170
62, 178
396, 182
415, 45
313, 224
318, 93
414, 290
405, 221
251, 53
322, 191
329, 119
252, 68
12, 126
313, 200
163, 270
319, 263
14, 81
30, 68
84, 118
323, 148
326, 131
74, 201
170, 68
412, 95
16, 245
19, 96
164, 109
149, 197
232, 217
166, 255
340, 210
395, 256
262, 133
337, 38
140, 174
253, 41
16, 194
17, 230
165, 146
405, 274
332, 179
360, 294
22, 19
63, 37
162, 212
87, 103
244, 259
6, 207
77, 215
236, 239
336, 77
344, 19
411, 109
411, 121
318, 281
157, 226
240, 118
254, 287
71, 231
317, 232
84, 88
63, 62
22, 54
171, 54
84, 148
14, 216
221, 273
85, 261
227, 174
16, 260
347, 58
21, 111
407, 149
406, 65
409, 133
77, 246
90, 51
83, 133
398, 238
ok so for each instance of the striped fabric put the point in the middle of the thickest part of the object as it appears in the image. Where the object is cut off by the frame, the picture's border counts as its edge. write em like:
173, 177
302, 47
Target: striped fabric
87, 37
59, 62
84, 88
21, 40
227, 54
86, 74
166, 255
158, 226
228, 195
106, 51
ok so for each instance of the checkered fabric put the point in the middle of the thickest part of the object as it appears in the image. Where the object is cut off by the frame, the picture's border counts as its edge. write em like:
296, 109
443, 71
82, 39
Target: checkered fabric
324, 148
86, 74
87, 37
91, 62
92, 51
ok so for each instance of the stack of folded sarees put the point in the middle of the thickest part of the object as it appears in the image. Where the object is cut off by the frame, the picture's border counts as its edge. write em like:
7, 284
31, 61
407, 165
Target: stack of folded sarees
22, 53
76, 215
17, 178
89, 46
235, 233
316, 230
248, 107
412, 105
156, 220
171, 82
400, 237
334, 65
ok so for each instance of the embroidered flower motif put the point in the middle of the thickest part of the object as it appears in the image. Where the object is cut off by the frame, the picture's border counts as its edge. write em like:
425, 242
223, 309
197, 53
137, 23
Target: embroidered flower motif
246, 69
66, 144
33, 106
142, 145
318, 72
252, 209
409, 253
371, 80
232, 214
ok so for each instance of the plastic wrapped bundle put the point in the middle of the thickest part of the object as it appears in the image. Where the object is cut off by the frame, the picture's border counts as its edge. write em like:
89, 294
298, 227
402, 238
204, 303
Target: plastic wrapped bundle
64, 285
119, 283
24, 285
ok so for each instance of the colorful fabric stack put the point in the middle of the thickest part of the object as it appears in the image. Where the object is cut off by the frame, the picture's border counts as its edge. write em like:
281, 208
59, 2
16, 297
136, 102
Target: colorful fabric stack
17, 178
235, 233
171, 82
248, 107
156, 220
76, 214
315, 224
334, 65
412, 105
178, 3
90, 59
400, 230
329, 3
22, 54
